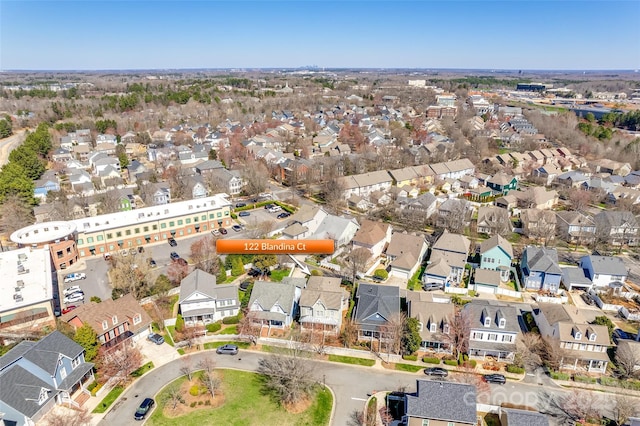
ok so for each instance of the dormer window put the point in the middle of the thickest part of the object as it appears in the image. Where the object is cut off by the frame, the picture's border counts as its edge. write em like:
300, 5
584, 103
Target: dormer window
487, 322
591, 335
114, 320
432, 327
577, 335
502, 323
445, 329
44, 395
137, 319
105, 325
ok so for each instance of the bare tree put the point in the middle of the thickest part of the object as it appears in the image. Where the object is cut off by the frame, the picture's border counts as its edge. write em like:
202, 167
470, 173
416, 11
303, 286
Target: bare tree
209, 379
529, 350
571, 407
357, 259
119, 363
249, 328
553, 355
455, 220
109, 202
624, 407
459, 329
349, 333
177, 271
204, 255
186, 367
470, 377
255, 176
627, 360
15, 213
579, 199
289, 376
332, 190
130, 274
392, 333
63, 416
173, 396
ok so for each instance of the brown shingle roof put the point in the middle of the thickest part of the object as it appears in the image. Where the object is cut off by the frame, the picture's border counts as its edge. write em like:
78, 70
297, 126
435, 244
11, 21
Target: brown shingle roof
371, 232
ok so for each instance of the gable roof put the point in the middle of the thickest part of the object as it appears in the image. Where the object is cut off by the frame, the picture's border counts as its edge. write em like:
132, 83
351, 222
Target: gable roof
24, 392
378, 300
406, 250
446, 401
205, 283
452, 242
46, 351
371, 232
607, 265
327, 290
517, 417
497, 241
268, 294
480, 309
542, 259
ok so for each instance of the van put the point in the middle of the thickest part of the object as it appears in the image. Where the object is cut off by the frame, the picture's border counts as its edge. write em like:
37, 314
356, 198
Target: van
431, 286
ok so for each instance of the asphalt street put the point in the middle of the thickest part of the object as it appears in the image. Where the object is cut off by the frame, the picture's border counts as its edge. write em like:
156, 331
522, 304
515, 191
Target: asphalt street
351, 386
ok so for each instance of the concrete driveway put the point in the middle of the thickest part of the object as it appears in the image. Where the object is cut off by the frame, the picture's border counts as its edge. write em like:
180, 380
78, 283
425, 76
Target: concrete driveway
158, 354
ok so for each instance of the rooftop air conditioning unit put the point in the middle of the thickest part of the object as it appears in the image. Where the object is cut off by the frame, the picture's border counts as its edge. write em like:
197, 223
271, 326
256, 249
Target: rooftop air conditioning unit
20, 283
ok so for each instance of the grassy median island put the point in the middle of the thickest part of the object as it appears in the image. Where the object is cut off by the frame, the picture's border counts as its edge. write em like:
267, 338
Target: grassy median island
243, 401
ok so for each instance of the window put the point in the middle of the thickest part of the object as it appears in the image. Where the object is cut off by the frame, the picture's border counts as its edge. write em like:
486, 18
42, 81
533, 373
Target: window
188, 220
577, 335
502, 323
487, 322
75, 362
432, 328
226, 213
59, 254
445, 329
212, 216
80, 241
219, 214
180, 221
89, 240
127, 232
172, 224
100, 238
109, 236
493, 336
204, 217
162, 226
137, 319
507, 338
118, 234
105, 325
114, 320
137, 230
154, 227
146, 229
425, 422
44, 393
592, 337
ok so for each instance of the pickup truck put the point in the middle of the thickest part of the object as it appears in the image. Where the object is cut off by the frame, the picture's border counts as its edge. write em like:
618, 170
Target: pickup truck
69, 278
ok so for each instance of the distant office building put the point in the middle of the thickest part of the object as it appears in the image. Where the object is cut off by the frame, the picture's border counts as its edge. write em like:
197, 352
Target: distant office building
533, 87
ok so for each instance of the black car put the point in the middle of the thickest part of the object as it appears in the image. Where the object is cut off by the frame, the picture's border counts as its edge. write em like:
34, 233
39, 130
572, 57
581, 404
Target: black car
140, 249
436, 371
284, 215
495, 378
174, 256
223, 231
268, 206
227, 350
156, 338
143, 409
244, 285
236, 228
172, 242
256, 272
152, 263
238, 205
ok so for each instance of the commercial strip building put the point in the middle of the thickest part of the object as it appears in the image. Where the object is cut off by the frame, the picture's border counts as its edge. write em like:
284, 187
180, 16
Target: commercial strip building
107, 233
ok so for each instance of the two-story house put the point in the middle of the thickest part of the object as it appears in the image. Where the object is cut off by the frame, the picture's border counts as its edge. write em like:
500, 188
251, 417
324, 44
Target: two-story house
34, 376
425, 204
582, 345
305, 222
447, 261
275, 304
441, 403
619, 227
540, 269
603, 270
229, 181
373, 236
115, 322
493, 220
434, 315
201, 300
502, 183
493, 330
496, 253
195, 188
322, 303
377, 308
575, 227
405, 254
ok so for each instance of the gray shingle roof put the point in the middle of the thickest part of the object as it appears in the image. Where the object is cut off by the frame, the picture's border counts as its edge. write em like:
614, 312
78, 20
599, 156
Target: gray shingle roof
45, 352
542, 259
478, 309
446, 401
607, 265
496, 241
267, 294
24, 391
377, 304
525, 418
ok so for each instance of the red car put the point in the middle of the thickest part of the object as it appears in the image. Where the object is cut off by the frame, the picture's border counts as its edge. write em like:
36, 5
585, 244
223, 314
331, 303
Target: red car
68, 309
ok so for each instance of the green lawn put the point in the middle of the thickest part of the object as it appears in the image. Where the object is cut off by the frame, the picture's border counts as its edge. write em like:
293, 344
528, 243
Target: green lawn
230, 330
140, 371
352, 360
279, 274
408, 367
246, 403
108, 400
214, 345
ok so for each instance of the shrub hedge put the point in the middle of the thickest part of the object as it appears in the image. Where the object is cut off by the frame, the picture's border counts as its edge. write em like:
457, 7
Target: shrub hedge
514, 369
213, 327
231, 320
451, 362
559, 376
431, 360
584, 379
410, 357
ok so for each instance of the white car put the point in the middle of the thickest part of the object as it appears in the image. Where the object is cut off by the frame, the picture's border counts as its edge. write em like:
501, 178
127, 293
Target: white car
275, 209
72, 289
74, 297
74, 277
215, 232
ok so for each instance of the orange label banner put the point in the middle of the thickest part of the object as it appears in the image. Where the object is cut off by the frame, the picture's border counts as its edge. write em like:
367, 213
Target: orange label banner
275, 246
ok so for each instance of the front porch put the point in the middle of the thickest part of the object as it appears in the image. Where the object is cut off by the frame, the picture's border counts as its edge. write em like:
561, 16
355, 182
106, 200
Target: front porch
77, 392
495, 355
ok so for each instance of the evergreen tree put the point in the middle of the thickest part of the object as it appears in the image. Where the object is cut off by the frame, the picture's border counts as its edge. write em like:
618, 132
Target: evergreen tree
87, 338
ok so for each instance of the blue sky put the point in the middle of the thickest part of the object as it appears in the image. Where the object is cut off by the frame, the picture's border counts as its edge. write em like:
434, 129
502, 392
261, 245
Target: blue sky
90, 35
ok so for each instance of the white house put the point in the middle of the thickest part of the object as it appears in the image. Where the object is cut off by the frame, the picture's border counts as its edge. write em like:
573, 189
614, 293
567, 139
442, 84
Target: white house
201, 300
603, 270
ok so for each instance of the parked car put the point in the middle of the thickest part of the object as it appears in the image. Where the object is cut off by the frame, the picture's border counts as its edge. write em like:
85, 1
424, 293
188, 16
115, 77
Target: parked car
244, 285
69, 309
72, 289
143, 409
275, 209
140, 249
244, 214
69, 278
284, 215
256, 272
436, 371
619, 334
73, 297
223, 231
156, 338
269, 206
227, 350
172, 242
152, 263
588, 299
133, 251
431, 286
174, 256
495, 378
215, 232
236, 228
238, 205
